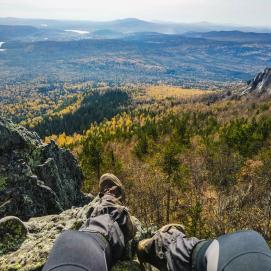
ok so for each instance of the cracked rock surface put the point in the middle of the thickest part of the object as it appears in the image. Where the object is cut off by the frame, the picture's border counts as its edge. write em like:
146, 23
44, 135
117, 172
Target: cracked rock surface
36, 179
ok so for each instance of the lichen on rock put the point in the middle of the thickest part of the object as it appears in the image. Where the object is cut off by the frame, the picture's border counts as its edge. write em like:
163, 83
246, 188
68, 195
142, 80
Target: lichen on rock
33, 252
12, 233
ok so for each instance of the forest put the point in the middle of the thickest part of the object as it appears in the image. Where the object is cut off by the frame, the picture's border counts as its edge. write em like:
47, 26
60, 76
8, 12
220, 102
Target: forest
188, 159
197, 157
171, 97
192, 58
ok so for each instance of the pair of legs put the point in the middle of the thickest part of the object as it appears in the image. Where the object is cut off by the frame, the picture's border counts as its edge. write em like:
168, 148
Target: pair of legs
101, 241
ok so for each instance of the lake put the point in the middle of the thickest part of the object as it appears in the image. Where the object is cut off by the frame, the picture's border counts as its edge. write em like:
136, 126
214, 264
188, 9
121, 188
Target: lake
81, 32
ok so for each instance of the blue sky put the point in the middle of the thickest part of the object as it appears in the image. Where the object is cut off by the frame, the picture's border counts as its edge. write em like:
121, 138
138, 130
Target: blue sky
238, 12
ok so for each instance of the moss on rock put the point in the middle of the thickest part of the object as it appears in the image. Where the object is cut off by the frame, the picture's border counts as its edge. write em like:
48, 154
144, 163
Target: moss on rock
12, 233
3, 182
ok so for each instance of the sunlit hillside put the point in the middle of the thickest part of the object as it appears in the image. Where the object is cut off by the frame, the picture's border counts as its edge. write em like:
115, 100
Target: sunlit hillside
161, 92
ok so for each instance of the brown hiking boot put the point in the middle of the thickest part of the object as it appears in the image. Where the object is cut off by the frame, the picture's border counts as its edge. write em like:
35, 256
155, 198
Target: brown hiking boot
110, 184
152, 250
146, 253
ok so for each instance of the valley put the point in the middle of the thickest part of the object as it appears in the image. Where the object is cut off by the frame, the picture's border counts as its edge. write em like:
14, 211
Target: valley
135, 135
183, 118
151, 58
130, 50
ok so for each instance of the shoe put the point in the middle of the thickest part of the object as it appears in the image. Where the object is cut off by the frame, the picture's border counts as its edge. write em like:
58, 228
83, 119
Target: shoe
147, 254
152, 250
110, 184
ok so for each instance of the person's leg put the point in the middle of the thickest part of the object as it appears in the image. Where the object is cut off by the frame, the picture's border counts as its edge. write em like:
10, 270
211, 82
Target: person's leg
79, 251
171, 250
111, 201
109, 217
168, 249
239, 251
110, 230
107, 221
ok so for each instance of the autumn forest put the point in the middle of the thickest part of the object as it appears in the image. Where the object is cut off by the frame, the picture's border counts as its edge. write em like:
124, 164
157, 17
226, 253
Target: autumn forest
197, 157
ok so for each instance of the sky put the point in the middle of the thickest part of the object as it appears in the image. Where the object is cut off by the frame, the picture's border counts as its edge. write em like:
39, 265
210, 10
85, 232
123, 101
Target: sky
234, 12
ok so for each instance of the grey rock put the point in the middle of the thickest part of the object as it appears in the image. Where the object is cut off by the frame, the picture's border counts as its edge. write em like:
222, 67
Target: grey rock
36, 179
260, 85
12, 233
16, 137
33, 252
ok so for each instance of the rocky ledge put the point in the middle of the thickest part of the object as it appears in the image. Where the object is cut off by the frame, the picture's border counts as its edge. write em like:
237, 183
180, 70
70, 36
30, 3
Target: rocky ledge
25, 246
36, 179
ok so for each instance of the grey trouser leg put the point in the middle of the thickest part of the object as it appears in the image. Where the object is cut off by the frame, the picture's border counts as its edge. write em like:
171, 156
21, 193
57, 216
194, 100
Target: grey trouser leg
179, 251
110, 229
107, 228
79, 251
172, 249
110, 218
239, 251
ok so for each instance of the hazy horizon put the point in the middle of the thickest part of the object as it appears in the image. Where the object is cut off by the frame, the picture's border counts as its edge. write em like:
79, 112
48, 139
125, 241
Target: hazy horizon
231, 12
140, 19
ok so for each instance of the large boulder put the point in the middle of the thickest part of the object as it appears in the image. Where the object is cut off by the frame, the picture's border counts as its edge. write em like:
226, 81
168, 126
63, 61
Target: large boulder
12, 233
36, 179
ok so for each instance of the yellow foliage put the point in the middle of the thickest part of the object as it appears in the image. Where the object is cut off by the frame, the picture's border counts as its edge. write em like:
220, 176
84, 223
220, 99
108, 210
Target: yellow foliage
161, 92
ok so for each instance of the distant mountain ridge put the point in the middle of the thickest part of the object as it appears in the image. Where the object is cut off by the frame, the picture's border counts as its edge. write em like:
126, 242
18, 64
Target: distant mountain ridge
130, 50
130, 25
130, 28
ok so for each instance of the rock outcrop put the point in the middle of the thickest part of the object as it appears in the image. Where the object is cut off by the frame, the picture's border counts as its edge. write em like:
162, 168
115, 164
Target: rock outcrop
36, 179
30, 252
260, 85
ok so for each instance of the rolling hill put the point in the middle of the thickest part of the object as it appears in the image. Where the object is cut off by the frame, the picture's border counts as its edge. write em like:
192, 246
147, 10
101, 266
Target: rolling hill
130, 25
138, 57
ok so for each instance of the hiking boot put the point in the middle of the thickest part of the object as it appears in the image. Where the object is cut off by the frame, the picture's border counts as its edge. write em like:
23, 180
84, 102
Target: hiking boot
147, 253
152, 250
111, 202
110, 184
